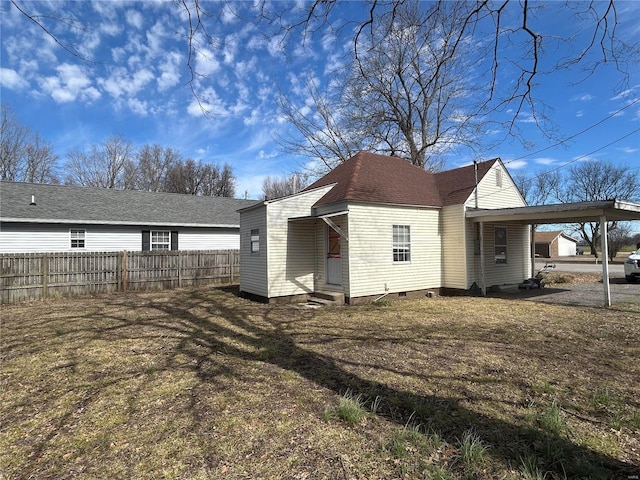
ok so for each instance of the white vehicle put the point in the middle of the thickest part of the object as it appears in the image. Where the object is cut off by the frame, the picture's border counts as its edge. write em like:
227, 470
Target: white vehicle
632, 267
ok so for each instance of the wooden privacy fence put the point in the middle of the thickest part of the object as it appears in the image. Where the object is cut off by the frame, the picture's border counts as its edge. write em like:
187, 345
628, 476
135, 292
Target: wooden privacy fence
34, 276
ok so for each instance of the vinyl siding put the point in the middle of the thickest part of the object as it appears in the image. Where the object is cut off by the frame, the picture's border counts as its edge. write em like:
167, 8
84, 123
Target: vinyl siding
472, 250
372, 270
32, 238
35, 238
517, 267
208, 239
290, 245
253, 268
566, 247
491, 195
341, 221
455, 251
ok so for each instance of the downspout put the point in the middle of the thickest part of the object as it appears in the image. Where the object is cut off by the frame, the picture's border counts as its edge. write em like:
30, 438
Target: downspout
386, 288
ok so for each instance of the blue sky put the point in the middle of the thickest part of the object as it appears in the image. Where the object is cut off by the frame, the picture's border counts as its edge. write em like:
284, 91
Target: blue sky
136, 84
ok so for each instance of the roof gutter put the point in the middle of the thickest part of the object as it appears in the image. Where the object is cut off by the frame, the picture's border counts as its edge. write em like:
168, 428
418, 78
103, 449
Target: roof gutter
120, 223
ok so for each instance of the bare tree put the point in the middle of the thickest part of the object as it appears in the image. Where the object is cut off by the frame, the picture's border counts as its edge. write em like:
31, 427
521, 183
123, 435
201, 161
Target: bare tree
323, 133
197, 178
218, 182
24, 156
184, 177
539, 189
274, 187
406, 94
618, 238
415, 60
596, 180
153, 164
105, 165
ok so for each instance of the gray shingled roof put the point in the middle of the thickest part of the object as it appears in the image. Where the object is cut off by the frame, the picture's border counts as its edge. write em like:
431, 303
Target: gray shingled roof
72, 204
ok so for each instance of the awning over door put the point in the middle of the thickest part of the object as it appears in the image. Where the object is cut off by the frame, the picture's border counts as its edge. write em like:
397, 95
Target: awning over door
326, 219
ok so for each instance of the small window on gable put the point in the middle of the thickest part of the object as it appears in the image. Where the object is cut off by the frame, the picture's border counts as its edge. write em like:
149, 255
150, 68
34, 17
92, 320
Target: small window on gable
401, 243
77, 237
255, 241
498, 178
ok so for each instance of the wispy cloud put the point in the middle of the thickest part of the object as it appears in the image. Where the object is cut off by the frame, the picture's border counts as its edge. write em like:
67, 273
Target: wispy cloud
134, 18
9, 78
623, 94
517, 164
70, 84
545, 161
628, 149
582, 98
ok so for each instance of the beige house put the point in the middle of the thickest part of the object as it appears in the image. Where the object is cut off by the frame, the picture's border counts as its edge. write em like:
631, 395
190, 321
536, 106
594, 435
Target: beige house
554, 244
377, 226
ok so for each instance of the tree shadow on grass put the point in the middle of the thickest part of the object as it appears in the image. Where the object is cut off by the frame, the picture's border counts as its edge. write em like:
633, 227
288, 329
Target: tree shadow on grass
267, 341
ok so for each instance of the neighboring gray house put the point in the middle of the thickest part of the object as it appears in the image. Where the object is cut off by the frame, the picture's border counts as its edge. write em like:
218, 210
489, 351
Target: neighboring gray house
61, 218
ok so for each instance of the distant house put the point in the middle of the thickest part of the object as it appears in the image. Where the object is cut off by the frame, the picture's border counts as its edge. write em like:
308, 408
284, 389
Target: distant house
58, 218
376, 226
554, 244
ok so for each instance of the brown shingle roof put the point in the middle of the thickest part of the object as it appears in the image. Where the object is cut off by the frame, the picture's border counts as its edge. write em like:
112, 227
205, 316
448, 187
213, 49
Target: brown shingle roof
370, 177
457, 185
548, 237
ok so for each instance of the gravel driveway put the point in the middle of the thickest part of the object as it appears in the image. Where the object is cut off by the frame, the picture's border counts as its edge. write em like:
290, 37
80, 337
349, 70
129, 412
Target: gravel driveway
584, 294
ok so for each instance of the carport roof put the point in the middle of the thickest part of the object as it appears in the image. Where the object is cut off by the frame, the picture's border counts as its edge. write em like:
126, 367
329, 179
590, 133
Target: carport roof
602, 211
613, 210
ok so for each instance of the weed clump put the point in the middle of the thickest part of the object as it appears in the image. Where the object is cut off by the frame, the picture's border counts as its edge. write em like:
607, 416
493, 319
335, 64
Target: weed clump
350, 409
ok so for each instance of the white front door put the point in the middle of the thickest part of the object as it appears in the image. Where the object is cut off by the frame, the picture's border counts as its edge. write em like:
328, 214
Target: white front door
334, 257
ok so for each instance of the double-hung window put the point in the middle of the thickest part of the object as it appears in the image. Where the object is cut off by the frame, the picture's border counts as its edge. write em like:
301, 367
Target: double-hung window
255, 241
500, 245
77, 237
401, 243
160, 240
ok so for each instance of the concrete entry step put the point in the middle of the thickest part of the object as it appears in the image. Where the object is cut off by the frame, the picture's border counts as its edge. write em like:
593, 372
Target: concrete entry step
327, 298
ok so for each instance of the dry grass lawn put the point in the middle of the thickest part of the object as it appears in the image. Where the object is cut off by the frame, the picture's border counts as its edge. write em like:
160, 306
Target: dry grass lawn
201, 384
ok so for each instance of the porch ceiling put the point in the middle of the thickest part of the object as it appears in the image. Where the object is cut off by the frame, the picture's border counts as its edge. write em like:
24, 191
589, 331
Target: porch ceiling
613, 210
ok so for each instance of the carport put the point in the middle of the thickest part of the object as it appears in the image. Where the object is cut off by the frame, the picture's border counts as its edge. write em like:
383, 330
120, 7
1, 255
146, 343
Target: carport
581, 212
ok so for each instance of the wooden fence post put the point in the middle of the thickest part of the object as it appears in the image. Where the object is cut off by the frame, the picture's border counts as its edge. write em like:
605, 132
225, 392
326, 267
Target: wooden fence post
45, 276
231, 265
124, 270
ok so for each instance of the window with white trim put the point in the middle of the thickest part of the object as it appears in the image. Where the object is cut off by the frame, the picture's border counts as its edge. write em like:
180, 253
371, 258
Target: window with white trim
160, 240
401, 243
500, 245
77, 237
255, 241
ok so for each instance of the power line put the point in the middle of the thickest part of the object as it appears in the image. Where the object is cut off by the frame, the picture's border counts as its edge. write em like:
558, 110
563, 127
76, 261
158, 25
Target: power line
577, 159
576, 134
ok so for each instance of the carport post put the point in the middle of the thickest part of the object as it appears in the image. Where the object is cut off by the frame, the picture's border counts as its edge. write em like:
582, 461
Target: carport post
533, 249
605, 260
